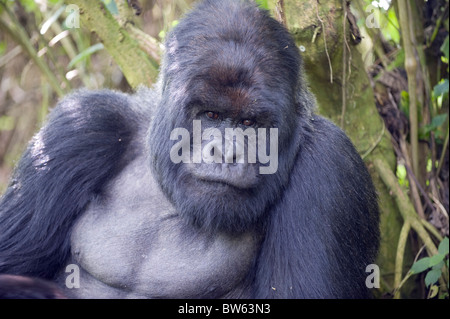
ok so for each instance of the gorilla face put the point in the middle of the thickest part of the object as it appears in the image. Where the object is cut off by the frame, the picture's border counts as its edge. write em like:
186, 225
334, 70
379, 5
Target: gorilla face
223, 87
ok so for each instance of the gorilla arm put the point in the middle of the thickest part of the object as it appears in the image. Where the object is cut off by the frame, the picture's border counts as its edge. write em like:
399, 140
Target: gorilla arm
65, 166
323, 232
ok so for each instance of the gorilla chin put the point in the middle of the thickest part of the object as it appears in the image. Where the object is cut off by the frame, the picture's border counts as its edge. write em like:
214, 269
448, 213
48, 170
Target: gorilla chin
227, 204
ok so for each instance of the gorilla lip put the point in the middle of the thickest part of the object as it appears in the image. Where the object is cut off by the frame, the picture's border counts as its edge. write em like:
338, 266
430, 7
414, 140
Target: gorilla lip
241, 177
222, 149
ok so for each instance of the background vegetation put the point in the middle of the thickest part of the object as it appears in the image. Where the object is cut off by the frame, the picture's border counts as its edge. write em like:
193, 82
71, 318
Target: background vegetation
379, 69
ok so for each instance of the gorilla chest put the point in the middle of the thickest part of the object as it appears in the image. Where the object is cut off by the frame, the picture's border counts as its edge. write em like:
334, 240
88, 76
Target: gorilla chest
140, 248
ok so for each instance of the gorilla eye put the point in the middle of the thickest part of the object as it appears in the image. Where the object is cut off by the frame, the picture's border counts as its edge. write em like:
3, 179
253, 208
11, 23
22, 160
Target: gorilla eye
248, 122
212, 115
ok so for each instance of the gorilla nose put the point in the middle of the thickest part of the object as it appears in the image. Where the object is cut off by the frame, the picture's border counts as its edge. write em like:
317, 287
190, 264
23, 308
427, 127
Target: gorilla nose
233, 151
227, 151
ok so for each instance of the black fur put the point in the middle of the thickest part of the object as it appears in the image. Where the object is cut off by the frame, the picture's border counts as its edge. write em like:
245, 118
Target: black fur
324, 230
320, 208
318, 212
20, 287
64, 167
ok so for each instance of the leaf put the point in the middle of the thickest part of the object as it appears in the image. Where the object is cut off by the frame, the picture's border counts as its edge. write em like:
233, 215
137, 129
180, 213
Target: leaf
401, 174
433, 291
436, 122
443, 246
436, 259
83, 55
444, 47
439, 265
441, 88
420, 265
432, 277
263, 4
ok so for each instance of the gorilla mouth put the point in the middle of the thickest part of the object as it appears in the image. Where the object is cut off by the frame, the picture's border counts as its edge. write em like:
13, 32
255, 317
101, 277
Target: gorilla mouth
224, 182
234, 175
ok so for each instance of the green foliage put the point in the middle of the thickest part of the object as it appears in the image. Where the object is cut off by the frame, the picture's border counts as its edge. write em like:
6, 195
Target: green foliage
420, 265
402, 175
263, 4
434, 264
85, 54
430, 165
435, 126
391, 29
439, 95
444, 49
441, 88
385, 18
404, 103
29, 5
399, 61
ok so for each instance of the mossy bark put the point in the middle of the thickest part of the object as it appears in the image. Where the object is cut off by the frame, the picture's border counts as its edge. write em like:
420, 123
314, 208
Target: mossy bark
135, 64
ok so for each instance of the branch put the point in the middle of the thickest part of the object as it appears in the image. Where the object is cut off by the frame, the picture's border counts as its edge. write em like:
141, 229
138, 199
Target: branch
135, 64
404, 204
411, 70
410, 218
324, 41
444, 148
279, 9
399, 258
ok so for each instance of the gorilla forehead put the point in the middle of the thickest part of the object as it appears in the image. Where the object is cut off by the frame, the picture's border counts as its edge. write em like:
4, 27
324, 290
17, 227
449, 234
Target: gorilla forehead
237, 46
230, 84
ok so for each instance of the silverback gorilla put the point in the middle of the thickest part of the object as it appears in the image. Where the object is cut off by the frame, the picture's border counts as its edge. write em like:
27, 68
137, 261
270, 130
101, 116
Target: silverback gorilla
124, 187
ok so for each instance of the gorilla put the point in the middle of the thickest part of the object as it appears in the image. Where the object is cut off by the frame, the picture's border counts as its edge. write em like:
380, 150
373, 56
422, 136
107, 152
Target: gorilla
219, 182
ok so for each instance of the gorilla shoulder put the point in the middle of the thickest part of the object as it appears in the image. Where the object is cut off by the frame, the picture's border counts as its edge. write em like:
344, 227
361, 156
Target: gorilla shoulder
87, 140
